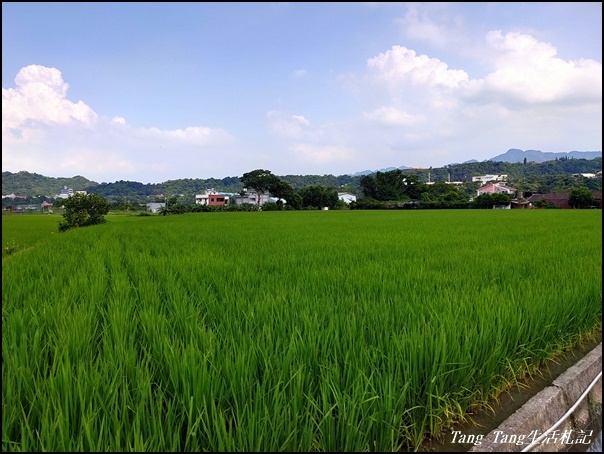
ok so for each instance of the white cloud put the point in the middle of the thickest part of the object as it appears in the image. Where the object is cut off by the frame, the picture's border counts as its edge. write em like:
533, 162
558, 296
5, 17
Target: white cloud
400, 64
417, 26
41, 97
310, 154
44, 132
288, 126
393, 116
526, 71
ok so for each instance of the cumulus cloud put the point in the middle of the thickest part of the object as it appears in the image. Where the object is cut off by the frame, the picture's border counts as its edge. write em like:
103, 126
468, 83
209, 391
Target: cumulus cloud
40, 96
288, 126
417, 25
527, 71
323, 154
393, 116
525, 95
400, 64
45, 132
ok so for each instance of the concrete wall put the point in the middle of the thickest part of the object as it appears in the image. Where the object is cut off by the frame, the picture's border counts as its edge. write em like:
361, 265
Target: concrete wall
545, 409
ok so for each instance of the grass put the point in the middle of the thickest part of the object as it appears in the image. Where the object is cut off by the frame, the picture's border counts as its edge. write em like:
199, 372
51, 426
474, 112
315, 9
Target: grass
284, 331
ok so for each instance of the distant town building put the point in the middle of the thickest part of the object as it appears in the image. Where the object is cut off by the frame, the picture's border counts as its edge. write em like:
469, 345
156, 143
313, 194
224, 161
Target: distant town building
496, 188
46, 207
13, 196
212, 198
484, 179
65, 193
154, 207
347, 197
251, 197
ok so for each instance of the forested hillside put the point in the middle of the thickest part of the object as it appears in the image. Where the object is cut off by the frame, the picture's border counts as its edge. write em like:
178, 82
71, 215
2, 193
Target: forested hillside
547, 176
33, 184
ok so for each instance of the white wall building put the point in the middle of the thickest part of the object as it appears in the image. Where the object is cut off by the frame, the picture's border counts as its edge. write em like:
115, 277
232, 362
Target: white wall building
251, 197
347, 197
65, 193
484, 179
154, 207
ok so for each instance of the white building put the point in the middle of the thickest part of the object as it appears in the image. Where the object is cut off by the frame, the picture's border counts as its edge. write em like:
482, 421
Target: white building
484, 179
251, 197
65, 193
347, 197
154, 207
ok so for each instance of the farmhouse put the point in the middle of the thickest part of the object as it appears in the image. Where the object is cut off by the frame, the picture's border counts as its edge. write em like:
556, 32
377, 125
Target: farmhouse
212, 198
496, 188
251, 197
45, 206
560, 199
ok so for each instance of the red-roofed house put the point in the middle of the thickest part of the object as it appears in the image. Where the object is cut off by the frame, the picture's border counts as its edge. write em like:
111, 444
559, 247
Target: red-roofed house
557, 199
560, 199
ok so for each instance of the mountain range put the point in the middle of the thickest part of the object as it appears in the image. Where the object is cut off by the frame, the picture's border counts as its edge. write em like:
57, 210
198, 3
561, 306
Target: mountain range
513, 155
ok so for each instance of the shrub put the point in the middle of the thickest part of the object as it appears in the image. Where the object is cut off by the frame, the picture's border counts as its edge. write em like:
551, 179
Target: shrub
82, 210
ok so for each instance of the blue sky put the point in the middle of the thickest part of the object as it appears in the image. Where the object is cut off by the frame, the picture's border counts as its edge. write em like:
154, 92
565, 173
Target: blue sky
152, 92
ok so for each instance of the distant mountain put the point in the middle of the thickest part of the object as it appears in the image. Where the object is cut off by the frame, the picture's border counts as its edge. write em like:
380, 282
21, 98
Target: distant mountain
386, 169
21, 183
515, 155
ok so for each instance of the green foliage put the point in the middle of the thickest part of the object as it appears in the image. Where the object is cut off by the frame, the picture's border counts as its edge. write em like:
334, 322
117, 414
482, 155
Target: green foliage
10, 248
259, 180
263, 181
83, 210
490, 200
224, 208
282, 191
542, 203
392, 185
319, 197
396, 185
581, 197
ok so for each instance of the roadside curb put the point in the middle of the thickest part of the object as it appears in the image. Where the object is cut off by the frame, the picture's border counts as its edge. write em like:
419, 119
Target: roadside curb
544, 409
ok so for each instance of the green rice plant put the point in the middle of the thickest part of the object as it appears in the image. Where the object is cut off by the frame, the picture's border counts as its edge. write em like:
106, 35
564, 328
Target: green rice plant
286, 331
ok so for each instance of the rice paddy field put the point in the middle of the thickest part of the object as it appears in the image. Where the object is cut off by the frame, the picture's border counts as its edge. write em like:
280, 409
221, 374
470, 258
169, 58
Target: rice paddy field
307, 331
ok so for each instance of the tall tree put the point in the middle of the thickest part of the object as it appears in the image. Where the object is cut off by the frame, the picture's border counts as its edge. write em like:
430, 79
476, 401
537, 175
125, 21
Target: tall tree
263, 181
259, 180
581, 197
282, 190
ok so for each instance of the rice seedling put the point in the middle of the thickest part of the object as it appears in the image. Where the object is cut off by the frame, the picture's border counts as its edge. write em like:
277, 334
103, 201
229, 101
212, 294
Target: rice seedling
285, 331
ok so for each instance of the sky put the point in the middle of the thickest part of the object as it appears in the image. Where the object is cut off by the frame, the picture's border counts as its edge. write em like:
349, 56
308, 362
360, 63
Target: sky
152, 92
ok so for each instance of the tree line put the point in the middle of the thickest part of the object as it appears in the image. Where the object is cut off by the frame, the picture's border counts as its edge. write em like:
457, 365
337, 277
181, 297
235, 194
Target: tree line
379, 191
